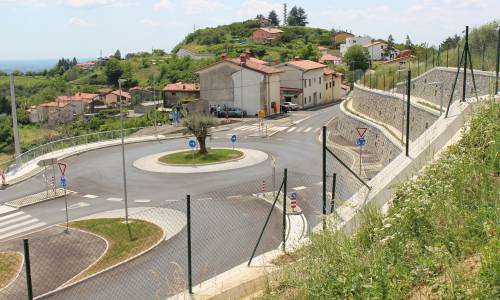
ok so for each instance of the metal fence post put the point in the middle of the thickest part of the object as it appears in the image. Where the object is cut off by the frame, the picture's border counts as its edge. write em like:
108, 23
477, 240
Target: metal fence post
408, 114
188, 212
334, 184
285, 179
498, 62
28, 268
324, 175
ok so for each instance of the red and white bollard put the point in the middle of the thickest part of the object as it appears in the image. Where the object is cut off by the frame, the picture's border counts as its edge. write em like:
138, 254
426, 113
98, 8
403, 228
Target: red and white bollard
263, 187
3, 178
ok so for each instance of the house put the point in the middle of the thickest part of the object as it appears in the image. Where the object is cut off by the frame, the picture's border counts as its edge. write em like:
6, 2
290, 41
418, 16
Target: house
355, 40
322, 50
330, 59
183, 52
341, 36
140, 94
265, 34
302, 82
377, 50
402, 57
174, 92
333, 85
145, 107
86, 100
56, 112
88, 65
241, 83
111, 99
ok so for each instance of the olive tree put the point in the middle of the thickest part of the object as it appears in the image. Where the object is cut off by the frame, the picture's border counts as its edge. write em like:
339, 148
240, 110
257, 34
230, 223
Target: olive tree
199, 125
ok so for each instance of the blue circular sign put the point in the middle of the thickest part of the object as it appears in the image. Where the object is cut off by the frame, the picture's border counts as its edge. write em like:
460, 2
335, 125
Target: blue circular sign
233, 138
360, 141
192, 144
293, 195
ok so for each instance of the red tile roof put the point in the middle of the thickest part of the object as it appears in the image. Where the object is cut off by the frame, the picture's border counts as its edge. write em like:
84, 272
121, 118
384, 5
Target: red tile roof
329, 57
255, 66
181, 87
375, 43
85, 97
306, 65
55, 104
140, 88
123, 94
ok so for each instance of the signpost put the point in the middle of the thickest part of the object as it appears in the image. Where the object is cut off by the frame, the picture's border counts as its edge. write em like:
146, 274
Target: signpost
262, 115
361, 142
45, 163
233, 139
63, 183
192, 145
293, 200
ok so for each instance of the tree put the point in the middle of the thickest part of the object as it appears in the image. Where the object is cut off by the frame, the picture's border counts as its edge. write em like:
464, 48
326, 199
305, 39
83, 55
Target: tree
199, 125
113, 71
6, 130
117, 54
483, 37
390, 46
273, 16
297, 17
408, 43
310, 52
356, 58
74, 62
451, 42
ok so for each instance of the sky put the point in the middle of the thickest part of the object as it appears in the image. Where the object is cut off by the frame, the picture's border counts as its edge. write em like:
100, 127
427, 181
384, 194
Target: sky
41, 29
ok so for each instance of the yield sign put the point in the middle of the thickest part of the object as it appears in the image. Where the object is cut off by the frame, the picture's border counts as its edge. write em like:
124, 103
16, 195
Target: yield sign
361, 131
62, 168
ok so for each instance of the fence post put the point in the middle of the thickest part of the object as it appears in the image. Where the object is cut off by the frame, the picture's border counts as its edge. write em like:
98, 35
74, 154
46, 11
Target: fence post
498, 62
408, 88
188, 212
28, 269
285, 179
324, 176
334, 184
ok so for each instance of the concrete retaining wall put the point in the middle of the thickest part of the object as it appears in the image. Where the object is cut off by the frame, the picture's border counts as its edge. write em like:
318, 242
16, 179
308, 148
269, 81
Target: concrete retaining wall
485, 82
389, 108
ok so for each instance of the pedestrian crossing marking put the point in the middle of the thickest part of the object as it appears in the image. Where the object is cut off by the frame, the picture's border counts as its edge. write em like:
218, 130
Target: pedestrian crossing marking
308, 129
90, 196
299, 188
114, 199
291, 129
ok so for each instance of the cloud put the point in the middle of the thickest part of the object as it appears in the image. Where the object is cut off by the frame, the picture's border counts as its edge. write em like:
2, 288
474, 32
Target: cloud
194, 7
96, 3
149, 22
31, 3
251, 8
76, 21
163, 4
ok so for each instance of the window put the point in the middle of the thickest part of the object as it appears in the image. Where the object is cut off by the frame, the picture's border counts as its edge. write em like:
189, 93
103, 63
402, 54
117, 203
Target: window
173, 94
320, 80
309, 98
309, 82
305, 82
331, 83
326, 86
319, 96
334, 83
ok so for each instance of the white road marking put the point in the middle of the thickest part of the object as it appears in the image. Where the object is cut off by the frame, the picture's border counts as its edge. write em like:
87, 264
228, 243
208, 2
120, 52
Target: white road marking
114, 199
236, 196
5, 209
142, 201
319, 183
11, 215
204, 199
299, 129
13, 220
308, 129
4, 229
299, 188
22, 230
90, 196
291, 129
173, 200
76, 205
317, 129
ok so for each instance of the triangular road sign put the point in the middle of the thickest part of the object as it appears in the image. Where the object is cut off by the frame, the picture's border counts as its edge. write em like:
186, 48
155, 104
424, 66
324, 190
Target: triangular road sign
361, 131
62, 168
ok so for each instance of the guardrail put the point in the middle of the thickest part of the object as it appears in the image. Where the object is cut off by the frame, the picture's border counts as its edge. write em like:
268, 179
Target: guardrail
65, 143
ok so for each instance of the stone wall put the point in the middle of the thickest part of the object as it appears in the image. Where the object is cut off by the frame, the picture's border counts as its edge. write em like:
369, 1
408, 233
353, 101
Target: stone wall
485, 83
376, 141
389, 108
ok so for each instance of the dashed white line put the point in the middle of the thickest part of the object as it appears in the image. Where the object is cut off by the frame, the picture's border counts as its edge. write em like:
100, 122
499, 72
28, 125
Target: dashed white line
308, 129
291, 129
299, 188
299, 129
13, 220
11, 215
317, 129
90, 196
142, 201
235, 196
204, 199
114, 199
173, 200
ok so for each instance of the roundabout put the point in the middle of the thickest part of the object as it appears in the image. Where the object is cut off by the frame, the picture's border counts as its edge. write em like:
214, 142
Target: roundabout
155, 162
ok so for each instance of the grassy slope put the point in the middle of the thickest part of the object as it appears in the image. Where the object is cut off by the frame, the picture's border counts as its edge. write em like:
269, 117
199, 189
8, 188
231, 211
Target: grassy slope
115, 231
9, 266
214, 155
440, 238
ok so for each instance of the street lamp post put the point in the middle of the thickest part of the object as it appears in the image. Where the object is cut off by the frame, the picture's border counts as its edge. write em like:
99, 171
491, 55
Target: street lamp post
120, 82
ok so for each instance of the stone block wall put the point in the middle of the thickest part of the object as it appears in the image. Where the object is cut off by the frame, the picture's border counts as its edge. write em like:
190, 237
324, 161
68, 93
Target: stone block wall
389, 108
485, 83
376, 141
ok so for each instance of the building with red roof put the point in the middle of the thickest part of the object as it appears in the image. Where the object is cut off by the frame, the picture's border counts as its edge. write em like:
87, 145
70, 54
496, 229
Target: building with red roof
174, 92
266, 34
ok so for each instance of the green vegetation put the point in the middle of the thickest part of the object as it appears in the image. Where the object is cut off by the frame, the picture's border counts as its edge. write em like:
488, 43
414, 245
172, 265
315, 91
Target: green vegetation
10, 262
115, 231
439, 240
212, 156
199, 125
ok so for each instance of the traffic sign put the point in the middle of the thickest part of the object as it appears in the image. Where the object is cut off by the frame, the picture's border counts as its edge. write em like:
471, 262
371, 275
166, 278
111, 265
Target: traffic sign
262, 114
192, 143
361, 141
361, 131
63, 181
293, 200
233, 138
62, 168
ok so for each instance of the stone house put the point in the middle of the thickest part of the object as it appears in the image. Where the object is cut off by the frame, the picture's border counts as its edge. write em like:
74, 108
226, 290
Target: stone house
302, 82
87, 100
174, 92
141, 94
243, 82
333, 85
111, 99
330, 59
56, 112
265, 34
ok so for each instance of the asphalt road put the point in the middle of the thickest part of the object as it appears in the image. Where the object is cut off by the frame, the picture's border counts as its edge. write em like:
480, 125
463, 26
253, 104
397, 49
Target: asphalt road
226, 218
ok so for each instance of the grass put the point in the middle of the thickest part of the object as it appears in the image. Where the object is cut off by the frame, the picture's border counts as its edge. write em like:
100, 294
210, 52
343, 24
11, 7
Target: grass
440, 238
213, 155
144, 235
10, 262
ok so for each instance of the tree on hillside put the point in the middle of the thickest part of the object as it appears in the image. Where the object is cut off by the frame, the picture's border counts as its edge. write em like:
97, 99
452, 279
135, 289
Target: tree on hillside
408, 43
6, 130
356, 58
74, 62
310, 52
297, 17
117, 54
199, 125
482, 38
390, 46
273, 16
113, 71
4, 105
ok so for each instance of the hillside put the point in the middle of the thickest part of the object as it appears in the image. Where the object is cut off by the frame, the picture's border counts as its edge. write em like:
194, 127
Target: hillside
235, 38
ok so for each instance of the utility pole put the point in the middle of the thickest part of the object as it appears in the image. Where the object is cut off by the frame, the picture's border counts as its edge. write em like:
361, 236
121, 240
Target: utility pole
284, 15
408, 88
17, 146
466, 48
120, 82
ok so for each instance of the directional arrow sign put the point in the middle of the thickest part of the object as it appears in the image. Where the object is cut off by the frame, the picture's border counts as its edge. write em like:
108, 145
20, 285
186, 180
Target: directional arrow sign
361, 131
192, 144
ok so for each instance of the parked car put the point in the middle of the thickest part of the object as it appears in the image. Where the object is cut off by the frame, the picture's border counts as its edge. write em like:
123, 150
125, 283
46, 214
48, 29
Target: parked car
233, 112
290, 105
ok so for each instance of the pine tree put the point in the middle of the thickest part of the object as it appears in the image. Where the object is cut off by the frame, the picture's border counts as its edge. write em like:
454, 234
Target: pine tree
408, 43
297, 17
118, 55
273, 16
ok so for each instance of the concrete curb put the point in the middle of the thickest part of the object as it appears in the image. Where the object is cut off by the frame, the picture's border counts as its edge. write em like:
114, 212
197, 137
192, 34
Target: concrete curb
200, 165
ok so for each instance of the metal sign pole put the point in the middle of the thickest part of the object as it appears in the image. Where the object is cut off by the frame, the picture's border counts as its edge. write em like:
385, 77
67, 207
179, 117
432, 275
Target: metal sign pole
66, 204
360, 147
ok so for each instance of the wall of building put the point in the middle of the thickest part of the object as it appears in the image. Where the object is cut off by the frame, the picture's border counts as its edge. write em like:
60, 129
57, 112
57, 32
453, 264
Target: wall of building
390, 108
316, 87
292, 78
270, 92
171, 98
216, 84
485, 83
247, 94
